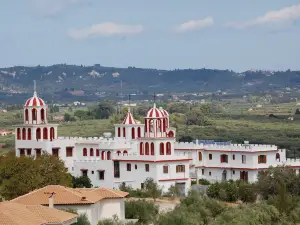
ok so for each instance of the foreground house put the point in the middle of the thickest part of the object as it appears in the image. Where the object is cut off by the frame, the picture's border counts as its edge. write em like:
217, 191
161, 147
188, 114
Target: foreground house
12, 213
96, 203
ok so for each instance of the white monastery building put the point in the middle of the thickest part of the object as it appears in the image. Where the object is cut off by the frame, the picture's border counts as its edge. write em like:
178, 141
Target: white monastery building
138, 151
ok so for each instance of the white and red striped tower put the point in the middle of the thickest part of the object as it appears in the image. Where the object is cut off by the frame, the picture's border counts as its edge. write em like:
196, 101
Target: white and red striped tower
35, 110
129, 128
154, 123
36, 126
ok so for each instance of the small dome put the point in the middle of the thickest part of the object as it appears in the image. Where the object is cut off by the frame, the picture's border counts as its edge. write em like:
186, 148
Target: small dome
129, 118
164, 112
35, 101
154, 113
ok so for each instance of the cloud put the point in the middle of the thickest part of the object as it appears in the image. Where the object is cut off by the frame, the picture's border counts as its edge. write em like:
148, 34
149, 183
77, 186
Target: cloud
105, 29
53, 7
284, 15
194, 25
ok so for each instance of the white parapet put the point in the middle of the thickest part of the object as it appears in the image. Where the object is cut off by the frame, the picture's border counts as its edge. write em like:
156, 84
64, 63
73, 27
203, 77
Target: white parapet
231, 147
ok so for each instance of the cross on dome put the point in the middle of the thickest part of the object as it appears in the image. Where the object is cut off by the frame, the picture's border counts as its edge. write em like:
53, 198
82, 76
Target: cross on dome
129, 118
154, 113
35, 100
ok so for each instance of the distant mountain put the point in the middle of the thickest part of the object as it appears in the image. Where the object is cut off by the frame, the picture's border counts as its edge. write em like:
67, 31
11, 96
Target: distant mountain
91, 82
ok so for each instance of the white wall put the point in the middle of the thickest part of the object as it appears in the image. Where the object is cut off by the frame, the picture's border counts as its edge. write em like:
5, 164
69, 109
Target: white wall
215, 174
103, 209
111, 207
93, 166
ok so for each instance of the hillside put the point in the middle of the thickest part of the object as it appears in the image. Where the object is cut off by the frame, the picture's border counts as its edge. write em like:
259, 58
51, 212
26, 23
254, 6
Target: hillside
91, 82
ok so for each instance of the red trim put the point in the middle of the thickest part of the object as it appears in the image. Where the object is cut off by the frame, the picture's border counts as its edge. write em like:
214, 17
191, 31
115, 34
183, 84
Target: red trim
293, 167
88, 143
55, 147
211, 150
41, 102
233, 168
34, 102
136, 160
101, 170
84, 169
69, 146
173, 179
27, 102
150, 138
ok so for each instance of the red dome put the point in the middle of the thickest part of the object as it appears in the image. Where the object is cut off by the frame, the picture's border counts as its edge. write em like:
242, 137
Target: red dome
154, 113
164, 112
35, 101
129, 118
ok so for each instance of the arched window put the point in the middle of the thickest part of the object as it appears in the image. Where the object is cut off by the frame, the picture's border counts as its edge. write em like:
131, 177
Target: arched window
278, 157
150, 125
29, 134
91, 152
125, 152
139, 132
43, 114
52, 134
45, 133
108, 156
165, 124
38, 134
119, 152
33, 112
152, 148
200, 156
146, 125
141, 148
171, 134
97, 152
119, 132
158, 124
18, 134
147, 149
23, 134
26, 115
168, 151
124, 132
161, 149
103, 155
133, 133
84, 152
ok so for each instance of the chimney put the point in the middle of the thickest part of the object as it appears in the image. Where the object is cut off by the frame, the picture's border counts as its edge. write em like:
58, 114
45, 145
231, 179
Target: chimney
51, 199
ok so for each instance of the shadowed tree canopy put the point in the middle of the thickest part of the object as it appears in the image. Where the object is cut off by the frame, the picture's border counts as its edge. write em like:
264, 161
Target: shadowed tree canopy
81, 182
19, 176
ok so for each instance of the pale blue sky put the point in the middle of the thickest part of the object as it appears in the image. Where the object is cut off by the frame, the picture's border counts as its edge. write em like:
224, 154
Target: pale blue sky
231, 34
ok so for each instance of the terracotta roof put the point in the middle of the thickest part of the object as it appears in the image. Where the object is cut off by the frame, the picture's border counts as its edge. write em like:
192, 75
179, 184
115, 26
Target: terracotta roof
68, 196
12, 213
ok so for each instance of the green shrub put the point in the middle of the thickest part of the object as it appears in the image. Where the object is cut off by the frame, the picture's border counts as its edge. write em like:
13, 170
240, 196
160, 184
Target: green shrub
142, 210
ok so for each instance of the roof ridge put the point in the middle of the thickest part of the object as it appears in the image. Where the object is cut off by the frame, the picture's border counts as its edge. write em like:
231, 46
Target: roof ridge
29, 193
77, 193
113, 192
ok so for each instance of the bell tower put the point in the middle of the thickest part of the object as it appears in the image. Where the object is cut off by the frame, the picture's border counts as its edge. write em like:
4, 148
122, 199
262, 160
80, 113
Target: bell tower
36, 126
